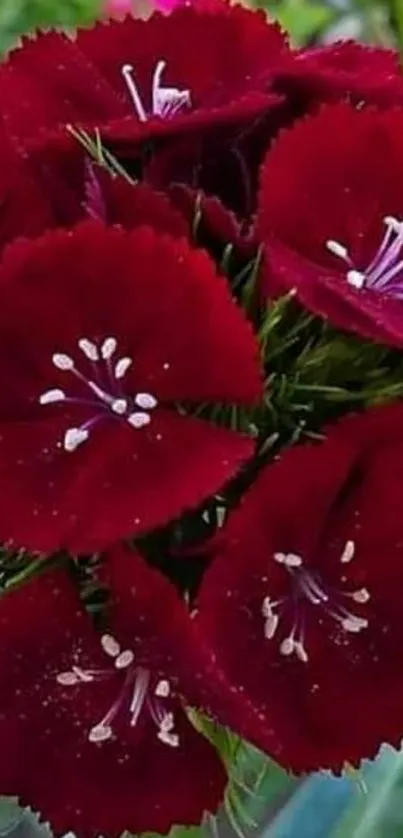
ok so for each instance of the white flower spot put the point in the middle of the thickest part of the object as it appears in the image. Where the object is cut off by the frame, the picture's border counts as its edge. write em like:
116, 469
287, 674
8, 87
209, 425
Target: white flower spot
119, 406
139, 420
146, 401
108, 348
125, 659
110, 646
62, 362
163, 689
52, 396
74, 437
348, 552
89, 349
122, 367
100, 733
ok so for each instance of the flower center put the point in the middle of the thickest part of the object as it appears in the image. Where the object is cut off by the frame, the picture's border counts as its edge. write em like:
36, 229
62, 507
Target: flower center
165, 101
385, 272
105, 393
135, 694
308, 587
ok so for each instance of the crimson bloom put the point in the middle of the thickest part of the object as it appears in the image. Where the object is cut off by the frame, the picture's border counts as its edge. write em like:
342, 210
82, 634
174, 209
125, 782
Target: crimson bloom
344, 70
95, 440
137, 79
74, 188
105, 710
330, 215
302, 604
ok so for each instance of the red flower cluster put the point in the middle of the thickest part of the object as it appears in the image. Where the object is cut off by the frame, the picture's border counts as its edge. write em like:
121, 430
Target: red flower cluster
228, 170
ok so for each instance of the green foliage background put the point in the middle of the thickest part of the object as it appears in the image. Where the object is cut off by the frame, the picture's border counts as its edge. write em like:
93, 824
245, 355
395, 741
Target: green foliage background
379, 21
262, 800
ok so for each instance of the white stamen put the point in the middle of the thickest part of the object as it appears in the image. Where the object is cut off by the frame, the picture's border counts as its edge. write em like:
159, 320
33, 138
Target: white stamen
82, 675
162, 689
270, 626
124, 660
300, 652
171, 739
167, 101
146, 401
108, 348
292, 560
287, 646
361, 596
381, 273
139, 420
354, 624
110, 646
127, 73
394, 223
122, 366
348, 552
67, 679
62, 362
52, 396
74, 437
167, 723
100, 733
119, 406
267, 607
89, 349
356, 279
337, 249
289, 559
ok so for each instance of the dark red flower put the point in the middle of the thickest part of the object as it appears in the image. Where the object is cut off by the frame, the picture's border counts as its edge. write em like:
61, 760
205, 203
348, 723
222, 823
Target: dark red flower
75, 188
216, 228
105, 710
105, 337
137, 79
344, 70
23, 206
330, 215
302, 605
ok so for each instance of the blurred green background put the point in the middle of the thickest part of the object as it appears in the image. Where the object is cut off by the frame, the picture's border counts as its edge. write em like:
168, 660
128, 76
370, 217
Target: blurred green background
379, 21
262, 800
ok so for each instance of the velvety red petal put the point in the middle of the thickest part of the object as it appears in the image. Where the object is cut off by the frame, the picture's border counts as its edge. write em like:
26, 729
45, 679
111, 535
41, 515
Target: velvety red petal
195, 46
112, 487
217, 226
316, 502
90, 788
186, 340
23, 206
48, 82
189, 340
74, 188
342, 174
343, 70
54, 80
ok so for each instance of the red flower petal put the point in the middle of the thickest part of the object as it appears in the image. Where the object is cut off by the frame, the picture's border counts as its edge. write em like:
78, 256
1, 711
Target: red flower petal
84, 467
92, 787
217, 226
54, 80
343, 70
48, 82
336, 177
320, 534
23, 206
75, 189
